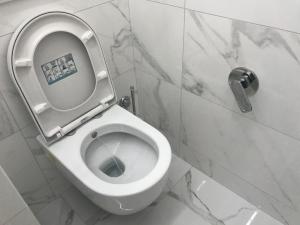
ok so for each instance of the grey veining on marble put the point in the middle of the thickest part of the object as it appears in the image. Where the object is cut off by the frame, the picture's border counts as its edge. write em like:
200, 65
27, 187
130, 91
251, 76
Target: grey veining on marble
159, 103
214, 46
192, 197
272, 13
216, 204
7, 122
245, 148
111, 21
179, 3
157, 47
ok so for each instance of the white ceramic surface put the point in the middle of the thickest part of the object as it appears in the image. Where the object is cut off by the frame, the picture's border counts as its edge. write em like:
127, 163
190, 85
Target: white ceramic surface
125, 198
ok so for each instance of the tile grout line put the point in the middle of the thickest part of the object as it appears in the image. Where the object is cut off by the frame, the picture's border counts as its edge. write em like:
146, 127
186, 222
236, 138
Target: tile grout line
232, 173
7, 222
182, 71
133, 59
247, 118
224, 17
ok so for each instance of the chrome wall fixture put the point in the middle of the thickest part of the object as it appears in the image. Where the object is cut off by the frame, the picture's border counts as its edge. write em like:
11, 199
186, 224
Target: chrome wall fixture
126, 101
243, 83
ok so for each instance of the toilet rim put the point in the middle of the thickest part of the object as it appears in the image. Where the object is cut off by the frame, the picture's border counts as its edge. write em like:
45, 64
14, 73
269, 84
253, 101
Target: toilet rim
80, 170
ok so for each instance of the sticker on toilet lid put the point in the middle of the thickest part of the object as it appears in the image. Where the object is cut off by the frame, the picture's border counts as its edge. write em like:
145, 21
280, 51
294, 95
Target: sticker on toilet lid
59, 68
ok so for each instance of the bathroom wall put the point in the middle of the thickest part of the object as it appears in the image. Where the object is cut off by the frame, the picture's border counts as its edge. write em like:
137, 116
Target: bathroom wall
13, 209
184, 52
30, 170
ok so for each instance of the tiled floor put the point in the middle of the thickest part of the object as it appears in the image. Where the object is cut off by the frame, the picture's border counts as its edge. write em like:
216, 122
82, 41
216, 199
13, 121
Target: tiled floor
190, 198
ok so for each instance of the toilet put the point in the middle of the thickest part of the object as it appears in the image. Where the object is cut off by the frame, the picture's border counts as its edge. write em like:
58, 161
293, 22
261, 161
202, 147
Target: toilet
114, 158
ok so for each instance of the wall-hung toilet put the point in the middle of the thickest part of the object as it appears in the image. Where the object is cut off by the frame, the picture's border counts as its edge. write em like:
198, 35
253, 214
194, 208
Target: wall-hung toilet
117, 160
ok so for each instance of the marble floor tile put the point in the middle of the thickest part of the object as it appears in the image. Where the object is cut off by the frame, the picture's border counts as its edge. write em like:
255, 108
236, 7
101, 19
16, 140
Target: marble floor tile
8, 90
82, 206
8, 125
178, 169
215, 203
195, 198
58, 212
10, 198
25, 218
280, 211
244, 147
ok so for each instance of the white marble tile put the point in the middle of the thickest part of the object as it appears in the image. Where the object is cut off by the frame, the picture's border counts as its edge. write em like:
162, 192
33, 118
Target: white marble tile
159, 103
88, 212
158, 38
215, 203
58, 183
11, 201
20, 165
7, 123
58, 212
9, 92
24, 218
275, 13
14, 12
179, 3
281, 212
122, 86
14, 154
30, 133
178, 169
167, 211
258, 154
214, 46
111, 22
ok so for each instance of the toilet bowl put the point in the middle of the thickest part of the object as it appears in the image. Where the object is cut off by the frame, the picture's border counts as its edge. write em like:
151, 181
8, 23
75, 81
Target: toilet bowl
117, 160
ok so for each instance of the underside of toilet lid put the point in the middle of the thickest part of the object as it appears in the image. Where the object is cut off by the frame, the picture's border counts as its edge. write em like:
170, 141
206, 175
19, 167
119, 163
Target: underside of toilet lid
57, 64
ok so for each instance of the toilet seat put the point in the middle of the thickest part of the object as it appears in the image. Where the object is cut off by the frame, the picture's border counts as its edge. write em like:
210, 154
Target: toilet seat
58, 67
68, 152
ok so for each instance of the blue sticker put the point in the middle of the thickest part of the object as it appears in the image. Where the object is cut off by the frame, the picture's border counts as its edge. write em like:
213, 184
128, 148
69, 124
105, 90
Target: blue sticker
59, 68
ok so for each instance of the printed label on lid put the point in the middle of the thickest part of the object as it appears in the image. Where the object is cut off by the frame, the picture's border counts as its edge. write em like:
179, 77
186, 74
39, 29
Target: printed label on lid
59, 68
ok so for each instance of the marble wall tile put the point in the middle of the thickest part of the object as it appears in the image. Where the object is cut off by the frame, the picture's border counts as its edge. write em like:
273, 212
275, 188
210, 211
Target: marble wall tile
23, 218
158, 37
7, 123
122, 86
13, 13
11, 201
21, 167
271, 13
8, 90
159, 103
111, 22
214, 46
179, 3
258, 154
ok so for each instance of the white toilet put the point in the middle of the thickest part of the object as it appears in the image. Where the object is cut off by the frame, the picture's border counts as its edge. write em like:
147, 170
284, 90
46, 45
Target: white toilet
110, 155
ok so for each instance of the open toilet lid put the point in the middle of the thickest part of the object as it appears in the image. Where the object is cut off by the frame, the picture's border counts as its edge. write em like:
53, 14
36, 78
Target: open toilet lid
57, 64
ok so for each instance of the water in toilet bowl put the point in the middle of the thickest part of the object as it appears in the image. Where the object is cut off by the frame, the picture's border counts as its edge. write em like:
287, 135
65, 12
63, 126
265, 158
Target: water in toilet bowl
123, 161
